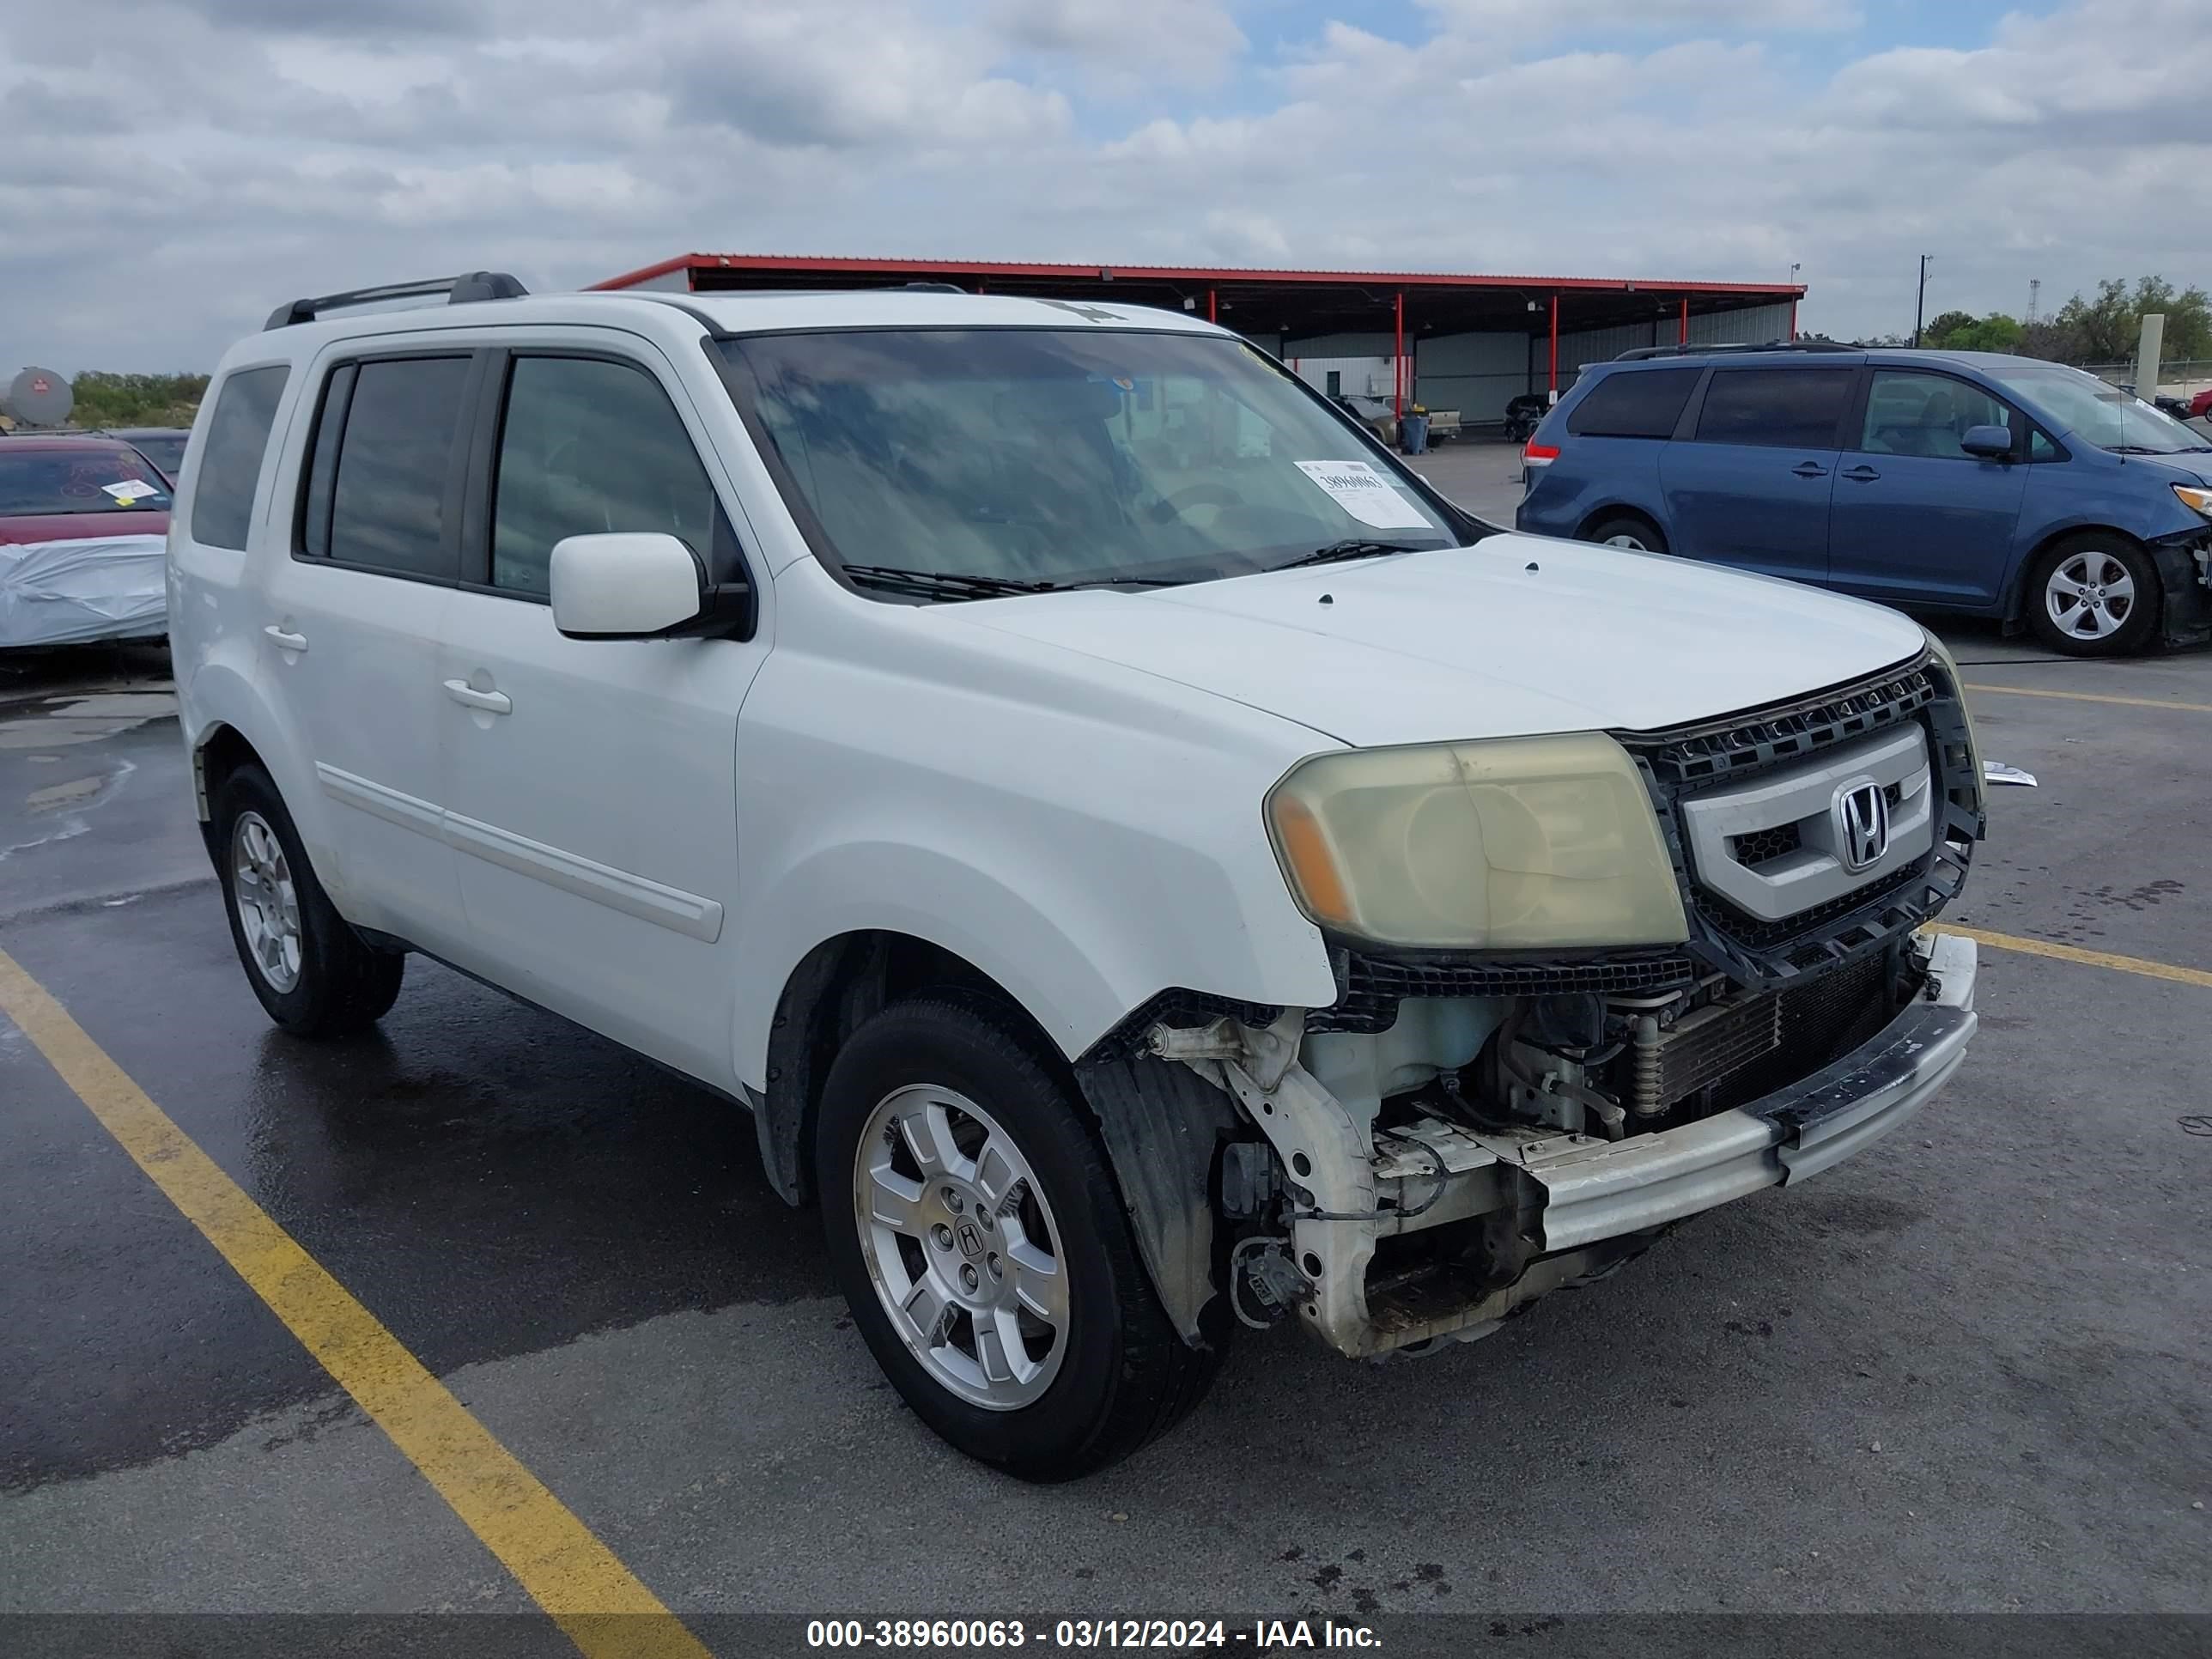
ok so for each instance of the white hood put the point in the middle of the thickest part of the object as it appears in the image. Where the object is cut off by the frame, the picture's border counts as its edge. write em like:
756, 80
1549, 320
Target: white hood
1518, 636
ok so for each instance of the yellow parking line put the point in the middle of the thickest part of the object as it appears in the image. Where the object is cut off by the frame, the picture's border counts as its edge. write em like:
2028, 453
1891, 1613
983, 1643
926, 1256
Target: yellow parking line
2039, 947
2093, 696
568, 1571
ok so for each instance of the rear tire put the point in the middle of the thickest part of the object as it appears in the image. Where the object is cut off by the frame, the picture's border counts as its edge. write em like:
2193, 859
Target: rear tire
1626, 529
1063, 1363
2092, 595
315, 976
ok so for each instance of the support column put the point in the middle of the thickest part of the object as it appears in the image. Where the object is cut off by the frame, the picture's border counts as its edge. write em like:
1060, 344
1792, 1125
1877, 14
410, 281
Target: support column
1398, 364
1555, 348
1209, 307
1683, 338
1793, 319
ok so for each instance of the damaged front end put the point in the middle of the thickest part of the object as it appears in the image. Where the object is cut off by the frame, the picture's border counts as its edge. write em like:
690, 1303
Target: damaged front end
1455, 1136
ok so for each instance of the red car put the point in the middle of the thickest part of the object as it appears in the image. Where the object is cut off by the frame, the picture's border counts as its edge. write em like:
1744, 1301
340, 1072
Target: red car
83, 524
66, 488
2200, 406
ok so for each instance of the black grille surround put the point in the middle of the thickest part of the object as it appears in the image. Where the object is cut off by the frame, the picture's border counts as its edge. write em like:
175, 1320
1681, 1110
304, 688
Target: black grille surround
1369, 988
1758, 953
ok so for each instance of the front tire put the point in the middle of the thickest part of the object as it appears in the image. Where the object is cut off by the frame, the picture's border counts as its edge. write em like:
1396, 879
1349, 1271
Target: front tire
314, 975
2094, 596
977, 1234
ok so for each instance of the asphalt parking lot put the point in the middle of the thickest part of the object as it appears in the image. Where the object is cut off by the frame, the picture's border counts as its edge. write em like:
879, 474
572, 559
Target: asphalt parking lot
1968, 1371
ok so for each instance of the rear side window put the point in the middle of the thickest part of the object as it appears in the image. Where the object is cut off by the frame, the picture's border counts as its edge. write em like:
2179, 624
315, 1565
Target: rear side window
230, 464
1781, 407
384, 457
1634, 404
590, 446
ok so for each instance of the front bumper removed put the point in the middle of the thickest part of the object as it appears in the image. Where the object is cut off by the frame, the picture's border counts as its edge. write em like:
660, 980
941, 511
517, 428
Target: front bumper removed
1581, 1205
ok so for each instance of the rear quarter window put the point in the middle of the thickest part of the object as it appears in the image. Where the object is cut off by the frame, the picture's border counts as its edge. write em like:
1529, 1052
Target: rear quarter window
1634, 404
230, 466
1778, 407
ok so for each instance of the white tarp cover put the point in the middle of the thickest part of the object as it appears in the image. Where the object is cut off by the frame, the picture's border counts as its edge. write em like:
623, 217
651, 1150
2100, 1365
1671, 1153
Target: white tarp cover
103, 587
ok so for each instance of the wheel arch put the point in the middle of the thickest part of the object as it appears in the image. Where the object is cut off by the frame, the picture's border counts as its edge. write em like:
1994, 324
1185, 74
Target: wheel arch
2014, 609
1597, 515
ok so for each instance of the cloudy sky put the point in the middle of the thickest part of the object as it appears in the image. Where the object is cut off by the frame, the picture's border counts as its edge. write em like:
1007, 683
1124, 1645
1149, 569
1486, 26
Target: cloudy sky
169, 169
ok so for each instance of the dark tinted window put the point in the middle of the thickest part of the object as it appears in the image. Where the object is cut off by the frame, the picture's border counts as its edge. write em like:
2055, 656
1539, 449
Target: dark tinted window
587, 447
1785, 408
100, 479
387, 504
237, 439
1910, 413
1634, 404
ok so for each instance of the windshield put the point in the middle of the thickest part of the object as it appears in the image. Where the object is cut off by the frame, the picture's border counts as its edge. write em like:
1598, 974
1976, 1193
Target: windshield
2098, 412
166, 450
1051, 456
38, 481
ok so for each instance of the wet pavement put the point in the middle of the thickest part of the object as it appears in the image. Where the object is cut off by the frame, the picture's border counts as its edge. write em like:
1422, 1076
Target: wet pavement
2012, 1298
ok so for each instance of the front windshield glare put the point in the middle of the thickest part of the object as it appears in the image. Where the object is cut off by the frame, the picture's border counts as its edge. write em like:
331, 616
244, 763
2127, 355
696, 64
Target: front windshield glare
1054, 456
2096, 411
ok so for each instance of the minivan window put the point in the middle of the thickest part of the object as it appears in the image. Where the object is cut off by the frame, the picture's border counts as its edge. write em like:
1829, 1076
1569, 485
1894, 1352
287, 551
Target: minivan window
230, 464
2097, 413
1055, 456
394, 454
1634, 404
590, 446
1780, 408
1914, 413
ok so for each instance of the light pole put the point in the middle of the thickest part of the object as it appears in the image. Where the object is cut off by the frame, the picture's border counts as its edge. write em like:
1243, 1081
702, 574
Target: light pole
1920, 305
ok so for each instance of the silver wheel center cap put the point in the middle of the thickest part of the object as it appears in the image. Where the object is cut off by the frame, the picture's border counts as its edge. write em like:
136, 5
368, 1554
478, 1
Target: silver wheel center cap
971, 1239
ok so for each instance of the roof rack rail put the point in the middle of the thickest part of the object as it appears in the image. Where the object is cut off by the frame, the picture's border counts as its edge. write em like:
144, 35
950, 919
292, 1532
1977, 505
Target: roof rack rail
468, 287
1639, 353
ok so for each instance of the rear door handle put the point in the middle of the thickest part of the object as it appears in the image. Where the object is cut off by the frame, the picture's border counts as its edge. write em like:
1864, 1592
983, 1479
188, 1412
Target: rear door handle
286, 638
492, 703
1810, 470
1859, 474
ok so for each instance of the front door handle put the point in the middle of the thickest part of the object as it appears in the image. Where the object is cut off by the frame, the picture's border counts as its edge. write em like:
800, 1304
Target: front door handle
285, 638
492, 703
1810, 470
1859, 474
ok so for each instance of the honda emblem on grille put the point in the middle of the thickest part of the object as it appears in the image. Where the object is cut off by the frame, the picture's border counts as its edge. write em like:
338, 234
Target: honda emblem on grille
1862, 819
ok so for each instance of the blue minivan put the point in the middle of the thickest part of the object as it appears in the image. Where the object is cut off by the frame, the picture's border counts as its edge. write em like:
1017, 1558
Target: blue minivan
1956, 480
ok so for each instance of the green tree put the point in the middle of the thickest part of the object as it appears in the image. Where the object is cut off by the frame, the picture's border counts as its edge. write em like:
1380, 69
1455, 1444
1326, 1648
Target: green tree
104, 400
1955, 331
2107, 328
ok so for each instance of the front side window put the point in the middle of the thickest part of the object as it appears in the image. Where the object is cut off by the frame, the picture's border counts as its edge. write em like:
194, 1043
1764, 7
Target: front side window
237, 439
1914, 413
2095, 412
1043, 456
1776, 408
394, 454
37, 482
589, 446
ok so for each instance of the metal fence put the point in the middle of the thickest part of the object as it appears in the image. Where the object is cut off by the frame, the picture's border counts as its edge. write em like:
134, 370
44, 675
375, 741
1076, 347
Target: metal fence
2183, 378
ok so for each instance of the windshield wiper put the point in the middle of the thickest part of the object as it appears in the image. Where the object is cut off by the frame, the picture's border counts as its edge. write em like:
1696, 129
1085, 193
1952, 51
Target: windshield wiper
955, 585
1354, 549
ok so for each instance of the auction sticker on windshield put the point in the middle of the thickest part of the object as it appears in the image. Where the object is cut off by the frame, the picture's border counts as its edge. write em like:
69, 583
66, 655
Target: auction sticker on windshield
130, 490
1366, 494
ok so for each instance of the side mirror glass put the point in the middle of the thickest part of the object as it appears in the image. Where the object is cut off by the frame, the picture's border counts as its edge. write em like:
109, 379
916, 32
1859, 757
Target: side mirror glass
1990, 443
625, 586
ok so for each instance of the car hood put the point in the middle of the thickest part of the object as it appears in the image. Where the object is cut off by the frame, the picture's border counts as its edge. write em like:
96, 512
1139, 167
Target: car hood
1518, 635
80, 527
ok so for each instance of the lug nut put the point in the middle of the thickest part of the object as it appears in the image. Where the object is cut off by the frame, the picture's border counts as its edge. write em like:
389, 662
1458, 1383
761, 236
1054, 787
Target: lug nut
997, 1269
967, 1277
942, 1235
952, 1201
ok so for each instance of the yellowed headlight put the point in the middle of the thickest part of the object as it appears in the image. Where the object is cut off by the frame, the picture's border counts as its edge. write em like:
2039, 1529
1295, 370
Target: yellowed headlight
2198, 501
1528, 843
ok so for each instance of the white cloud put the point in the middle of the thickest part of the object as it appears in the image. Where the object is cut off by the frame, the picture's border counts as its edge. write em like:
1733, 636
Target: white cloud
285, 147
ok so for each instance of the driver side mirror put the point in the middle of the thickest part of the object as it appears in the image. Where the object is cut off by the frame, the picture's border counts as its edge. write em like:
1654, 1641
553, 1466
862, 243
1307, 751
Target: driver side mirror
1989, 443
634, 585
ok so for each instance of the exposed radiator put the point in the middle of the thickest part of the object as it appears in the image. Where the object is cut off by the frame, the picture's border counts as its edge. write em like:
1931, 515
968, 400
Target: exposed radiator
1700, 1048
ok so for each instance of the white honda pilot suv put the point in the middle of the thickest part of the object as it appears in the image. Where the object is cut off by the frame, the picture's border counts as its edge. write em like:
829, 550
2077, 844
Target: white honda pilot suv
1148, 863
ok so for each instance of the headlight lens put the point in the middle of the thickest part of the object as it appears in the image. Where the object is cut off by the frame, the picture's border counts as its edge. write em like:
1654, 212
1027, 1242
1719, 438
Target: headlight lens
2199, 501
1526, 844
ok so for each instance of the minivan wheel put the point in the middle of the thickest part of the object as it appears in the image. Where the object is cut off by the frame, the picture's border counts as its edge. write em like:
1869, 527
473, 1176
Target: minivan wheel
977, 1234
314, 975
1625, 530
2094, 596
